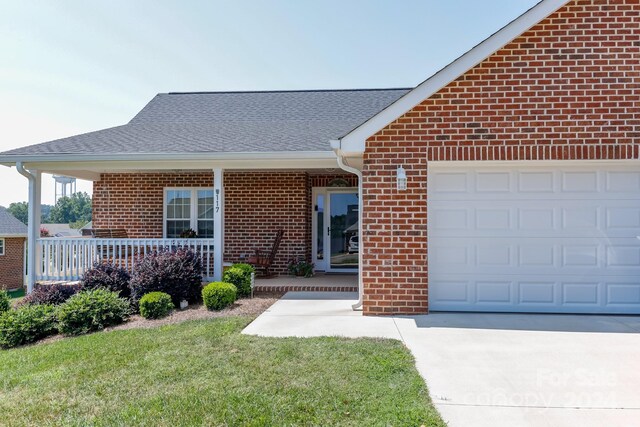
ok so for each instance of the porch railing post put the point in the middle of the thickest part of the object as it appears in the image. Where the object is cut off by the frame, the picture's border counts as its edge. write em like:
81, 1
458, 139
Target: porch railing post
218, 224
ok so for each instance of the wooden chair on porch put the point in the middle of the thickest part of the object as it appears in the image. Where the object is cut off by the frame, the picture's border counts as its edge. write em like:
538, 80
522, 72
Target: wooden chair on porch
109, 233
111, 252
262, 259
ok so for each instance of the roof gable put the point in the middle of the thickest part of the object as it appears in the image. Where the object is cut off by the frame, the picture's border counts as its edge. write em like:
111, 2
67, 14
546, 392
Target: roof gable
353, 143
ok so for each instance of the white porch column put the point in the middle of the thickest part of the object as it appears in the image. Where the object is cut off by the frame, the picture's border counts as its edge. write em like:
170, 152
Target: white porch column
33, 231
218, 222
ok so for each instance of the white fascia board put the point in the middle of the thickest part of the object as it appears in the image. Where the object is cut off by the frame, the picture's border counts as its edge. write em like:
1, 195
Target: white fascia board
90, 167
11, 160
10, 236
354, 142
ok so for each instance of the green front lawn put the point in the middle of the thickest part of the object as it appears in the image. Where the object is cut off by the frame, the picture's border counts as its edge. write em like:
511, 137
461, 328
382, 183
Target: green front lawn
206, 373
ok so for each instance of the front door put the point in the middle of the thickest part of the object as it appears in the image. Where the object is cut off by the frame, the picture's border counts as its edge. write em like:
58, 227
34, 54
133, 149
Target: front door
335, 230
341, 231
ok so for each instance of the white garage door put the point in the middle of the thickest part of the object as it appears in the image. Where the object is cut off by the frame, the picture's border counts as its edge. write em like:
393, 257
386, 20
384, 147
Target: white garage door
547, 237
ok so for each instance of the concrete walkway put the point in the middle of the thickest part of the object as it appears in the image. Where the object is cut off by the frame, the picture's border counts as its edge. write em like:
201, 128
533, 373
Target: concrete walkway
494, 369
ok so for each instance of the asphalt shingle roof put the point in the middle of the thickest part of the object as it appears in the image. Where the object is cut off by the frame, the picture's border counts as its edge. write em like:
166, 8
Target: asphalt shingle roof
231, 122
10, 225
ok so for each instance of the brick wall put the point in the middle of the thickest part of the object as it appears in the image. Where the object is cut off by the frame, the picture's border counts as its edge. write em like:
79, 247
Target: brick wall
12, 263
256, 205
566, 89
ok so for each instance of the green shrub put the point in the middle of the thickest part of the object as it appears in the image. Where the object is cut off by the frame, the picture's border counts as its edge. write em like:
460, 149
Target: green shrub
5, 301
247, 268
108, 276
218, 295
91, 310
26, 324
177, 272
240, 276
54, 294
155, 305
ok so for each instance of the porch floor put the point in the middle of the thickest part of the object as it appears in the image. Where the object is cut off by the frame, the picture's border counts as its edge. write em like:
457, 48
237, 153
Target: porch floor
321, 282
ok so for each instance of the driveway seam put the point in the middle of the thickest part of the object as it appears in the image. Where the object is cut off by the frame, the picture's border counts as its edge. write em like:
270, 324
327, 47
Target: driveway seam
399, 332
625, 324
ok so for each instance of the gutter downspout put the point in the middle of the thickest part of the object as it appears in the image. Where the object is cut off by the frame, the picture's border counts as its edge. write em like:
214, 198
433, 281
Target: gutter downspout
31, 231
335, 145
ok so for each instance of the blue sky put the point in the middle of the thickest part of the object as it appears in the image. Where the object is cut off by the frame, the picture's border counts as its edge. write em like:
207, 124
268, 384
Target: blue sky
68, 67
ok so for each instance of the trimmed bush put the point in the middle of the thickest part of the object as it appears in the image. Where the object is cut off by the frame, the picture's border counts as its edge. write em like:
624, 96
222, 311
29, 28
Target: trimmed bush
218, 295
177, 273
240, 276
26, 324
5, 301
155, 305
50, 294
91, 310
108, 276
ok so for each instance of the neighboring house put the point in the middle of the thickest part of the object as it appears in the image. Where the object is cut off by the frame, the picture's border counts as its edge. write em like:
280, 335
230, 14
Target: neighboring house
13, 235
522, 189
61, 230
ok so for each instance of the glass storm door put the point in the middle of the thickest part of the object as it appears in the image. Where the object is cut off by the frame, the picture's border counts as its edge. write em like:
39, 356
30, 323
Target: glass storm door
319, 231
341, 231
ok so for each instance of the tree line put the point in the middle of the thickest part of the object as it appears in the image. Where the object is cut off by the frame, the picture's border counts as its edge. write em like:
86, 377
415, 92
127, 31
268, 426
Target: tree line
74, 210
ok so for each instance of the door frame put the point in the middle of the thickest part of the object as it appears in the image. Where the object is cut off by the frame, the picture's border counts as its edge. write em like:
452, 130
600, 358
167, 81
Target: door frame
325, 263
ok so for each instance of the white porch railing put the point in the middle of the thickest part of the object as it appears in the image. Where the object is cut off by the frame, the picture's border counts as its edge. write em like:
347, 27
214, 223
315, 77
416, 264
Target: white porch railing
60, 259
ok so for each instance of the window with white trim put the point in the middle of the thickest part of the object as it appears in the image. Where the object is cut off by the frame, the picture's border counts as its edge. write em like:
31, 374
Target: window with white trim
1, 246
188, 208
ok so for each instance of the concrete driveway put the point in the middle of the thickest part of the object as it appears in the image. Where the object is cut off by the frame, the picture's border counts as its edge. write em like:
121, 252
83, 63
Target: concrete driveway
494, 369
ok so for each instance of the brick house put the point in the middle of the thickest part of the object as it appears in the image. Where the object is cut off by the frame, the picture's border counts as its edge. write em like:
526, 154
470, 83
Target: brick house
13, 236
507, 181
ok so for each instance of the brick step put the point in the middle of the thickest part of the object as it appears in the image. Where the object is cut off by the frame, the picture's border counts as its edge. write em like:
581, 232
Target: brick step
304, 288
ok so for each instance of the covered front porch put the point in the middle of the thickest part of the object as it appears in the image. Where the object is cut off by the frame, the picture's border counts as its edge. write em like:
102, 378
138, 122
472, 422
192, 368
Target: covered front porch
232, 212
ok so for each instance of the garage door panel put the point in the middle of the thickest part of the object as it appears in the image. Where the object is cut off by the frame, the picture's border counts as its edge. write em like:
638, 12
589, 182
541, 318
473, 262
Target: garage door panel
534, 238
622, 181
571, 295
529, 219
452, 293
538, 292
540, 184
622, 294
581, 293
494, 292
539, 256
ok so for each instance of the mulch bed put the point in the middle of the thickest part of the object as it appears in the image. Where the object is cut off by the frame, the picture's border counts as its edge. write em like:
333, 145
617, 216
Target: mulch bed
242, 307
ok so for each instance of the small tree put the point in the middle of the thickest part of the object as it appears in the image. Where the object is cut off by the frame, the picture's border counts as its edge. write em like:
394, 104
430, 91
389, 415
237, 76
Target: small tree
71, 209
20, 210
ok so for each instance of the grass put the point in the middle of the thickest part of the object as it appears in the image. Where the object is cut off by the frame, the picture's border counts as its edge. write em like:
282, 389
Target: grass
207, 373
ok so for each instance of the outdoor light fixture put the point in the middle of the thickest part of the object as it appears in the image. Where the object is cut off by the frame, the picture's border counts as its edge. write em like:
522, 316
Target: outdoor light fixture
402, 179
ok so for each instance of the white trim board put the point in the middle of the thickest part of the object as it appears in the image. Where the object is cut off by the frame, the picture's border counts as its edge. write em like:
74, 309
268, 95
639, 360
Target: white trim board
353, 143
563, 163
